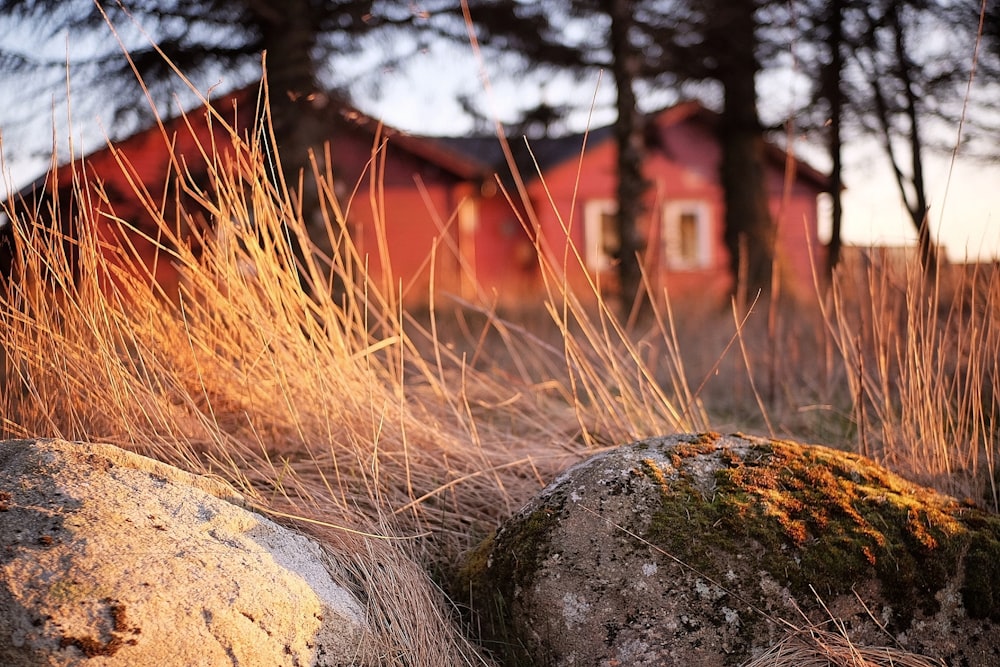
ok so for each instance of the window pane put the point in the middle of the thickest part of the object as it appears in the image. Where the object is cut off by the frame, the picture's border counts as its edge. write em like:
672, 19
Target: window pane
610, 244
688, 236
600, 233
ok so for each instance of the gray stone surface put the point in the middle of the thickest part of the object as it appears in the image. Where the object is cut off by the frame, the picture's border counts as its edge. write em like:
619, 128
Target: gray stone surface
109, 558
697, 549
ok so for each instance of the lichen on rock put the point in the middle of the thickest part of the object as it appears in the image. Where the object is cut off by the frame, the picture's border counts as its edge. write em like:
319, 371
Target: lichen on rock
696, 549
109, 558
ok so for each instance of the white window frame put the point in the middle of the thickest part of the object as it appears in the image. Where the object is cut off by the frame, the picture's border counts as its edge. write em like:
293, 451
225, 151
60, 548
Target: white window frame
596, 252
673, 213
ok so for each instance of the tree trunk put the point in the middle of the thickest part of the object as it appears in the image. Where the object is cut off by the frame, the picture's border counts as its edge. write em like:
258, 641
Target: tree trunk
835, 97
289, 39
919, 210
916, 204
630, 137
749, 228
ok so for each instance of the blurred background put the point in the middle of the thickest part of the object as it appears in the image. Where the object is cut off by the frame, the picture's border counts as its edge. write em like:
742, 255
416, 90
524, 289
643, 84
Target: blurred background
842, 81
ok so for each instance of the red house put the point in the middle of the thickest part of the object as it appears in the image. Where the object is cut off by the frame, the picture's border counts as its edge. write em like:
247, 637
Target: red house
571, 183
450, 196
414, 185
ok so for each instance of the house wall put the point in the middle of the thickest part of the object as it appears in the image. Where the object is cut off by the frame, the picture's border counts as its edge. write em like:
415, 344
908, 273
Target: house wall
387, 194
560, 211
402, 209
682, 168
795, 212
504, 261
396, 235
686, 169
668, 182
123, 187
402, 212
799, 249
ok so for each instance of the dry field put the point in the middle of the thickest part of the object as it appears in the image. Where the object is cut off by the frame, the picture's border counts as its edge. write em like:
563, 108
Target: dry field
402, 438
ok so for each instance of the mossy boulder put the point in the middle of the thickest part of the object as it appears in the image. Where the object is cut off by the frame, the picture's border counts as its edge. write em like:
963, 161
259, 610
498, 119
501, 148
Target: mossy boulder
708, 549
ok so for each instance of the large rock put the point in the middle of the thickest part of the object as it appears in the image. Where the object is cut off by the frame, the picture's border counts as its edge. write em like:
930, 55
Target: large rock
109, 558
696, 550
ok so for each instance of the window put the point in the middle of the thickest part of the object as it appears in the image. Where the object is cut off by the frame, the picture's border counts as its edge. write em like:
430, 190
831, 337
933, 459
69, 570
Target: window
600, 231
687, 241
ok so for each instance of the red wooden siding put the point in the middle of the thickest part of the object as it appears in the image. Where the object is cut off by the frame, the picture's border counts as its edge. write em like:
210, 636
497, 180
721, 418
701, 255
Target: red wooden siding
682, 167
415, 197
110, 178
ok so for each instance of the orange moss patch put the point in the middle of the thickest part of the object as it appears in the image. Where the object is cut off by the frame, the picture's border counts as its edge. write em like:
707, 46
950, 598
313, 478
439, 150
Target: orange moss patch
825, 520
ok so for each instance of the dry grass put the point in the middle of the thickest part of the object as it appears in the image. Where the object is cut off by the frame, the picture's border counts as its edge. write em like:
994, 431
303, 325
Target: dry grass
883, 362
815, 647
922, 360
401, 439
342, 415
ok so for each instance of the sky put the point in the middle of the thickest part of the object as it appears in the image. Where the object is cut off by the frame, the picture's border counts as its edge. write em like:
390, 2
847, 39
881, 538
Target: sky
964, 204
964, 193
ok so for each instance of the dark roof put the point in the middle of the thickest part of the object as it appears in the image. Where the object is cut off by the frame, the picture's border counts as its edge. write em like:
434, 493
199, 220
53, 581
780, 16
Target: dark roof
533, 155
545, 151
529, 155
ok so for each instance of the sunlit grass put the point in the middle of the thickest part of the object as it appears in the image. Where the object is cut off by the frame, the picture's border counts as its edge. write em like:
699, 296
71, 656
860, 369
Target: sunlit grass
922, 359
301, 383
401, 437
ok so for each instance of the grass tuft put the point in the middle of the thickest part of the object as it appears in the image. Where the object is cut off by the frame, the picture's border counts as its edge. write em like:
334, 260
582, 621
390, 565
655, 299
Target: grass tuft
402, 437
295, 378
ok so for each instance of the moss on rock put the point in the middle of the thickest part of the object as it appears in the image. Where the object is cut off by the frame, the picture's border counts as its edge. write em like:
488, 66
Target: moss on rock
981, 583
495, 573
825, 520
705, 540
